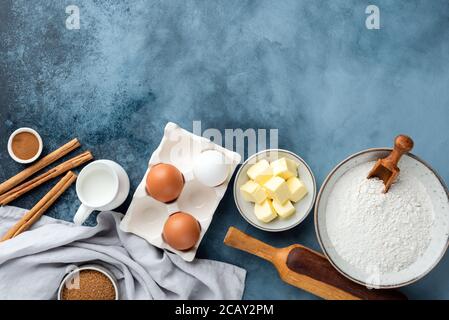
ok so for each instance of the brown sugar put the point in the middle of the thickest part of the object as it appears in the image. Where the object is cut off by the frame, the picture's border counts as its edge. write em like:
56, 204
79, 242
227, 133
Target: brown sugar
25, 145
93, 285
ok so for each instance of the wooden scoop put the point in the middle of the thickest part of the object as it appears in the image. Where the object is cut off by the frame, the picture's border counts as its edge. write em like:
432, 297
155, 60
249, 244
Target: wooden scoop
386, 169
308, 270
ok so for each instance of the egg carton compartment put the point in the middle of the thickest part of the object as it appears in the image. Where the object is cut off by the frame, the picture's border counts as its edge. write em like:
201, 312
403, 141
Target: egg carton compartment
197, 199
146, 216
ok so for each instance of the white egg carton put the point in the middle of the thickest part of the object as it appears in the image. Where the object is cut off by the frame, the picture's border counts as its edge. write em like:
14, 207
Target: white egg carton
146, 216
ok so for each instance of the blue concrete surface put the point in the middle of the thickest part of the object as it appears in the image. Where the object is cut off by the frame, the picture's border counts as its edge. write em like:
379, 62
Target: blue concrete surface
309, 68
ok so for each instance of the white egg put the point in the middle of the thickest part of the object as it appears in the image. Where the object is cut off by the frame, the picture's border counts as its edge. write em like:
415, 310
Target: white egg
211, 168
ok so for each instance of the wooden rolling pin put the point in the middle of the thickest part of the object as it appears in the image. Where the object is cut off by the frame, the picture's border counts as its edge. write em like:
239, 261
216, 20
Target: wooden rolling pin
308, 270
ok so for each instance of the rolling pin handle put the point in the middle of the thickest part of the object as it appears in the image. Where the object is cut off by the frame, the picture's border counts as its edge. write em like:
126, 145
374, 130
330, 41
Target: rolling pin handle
239, 240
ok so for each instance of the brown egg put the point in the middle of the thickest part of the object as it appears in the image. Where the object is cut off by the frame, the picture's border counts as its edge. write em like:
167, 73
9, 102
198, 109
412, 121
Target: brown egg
181, 231
164, 182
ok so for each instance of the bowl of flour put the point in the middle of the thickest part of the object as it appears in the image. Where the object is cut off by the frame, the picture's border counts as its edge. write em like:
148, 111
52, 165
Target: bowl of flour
383, 240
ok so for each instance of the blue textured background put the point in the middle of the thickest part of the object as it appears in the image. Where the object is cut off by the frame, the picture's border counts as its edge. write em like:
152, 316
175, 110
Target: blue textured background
309, 68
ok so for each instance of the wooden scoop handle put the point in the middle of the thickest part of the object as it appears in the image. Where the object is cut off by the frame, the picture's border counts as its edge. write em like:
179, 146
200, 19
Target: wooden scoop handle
402, 144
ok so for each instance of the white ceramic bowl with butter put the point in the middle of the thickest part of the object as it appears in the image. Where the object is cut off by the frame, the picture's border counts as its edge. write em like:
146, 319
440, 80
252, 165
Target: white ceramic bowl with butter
303, 207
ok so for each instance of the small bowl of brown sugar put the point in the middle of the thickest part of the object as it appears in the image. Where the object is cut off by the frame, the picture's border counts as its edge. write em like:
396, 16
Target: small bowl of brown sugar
90, 282
25, 145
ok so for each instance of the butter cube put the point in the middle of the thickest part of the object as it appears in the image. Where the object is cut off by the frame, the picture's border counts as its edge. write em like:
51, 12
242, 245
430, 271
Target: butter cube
297, 189
284, 168
284, 210
264, 211
277, 189
260, 172
253, 192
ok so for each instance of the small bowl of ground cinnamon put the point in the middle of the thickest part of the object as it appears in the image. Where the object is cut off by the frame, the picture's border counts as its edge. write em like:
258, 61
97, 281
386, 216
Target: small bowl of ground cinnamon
25, 145
89, 282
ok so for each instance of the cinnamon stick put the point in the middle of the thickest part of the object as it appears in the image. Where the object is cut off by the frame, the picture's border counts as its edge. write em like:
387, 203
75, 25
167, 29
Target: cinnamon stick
42, 163
23, 188
41, 207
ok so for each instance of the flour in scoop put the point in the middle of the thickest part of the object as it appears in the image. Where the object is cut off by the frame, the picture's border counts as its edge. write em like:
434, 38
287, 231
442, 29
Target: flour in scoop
377, 232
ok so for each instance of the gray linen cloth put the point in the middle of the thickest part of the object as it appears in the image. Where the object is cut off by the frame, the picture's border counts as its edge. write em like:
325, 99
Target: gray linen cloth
33, 264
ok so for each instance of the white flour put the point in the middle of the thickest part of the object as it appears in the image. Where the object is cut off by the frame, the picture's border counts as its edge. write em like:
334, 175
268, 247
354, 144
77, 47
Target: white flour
379, 232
